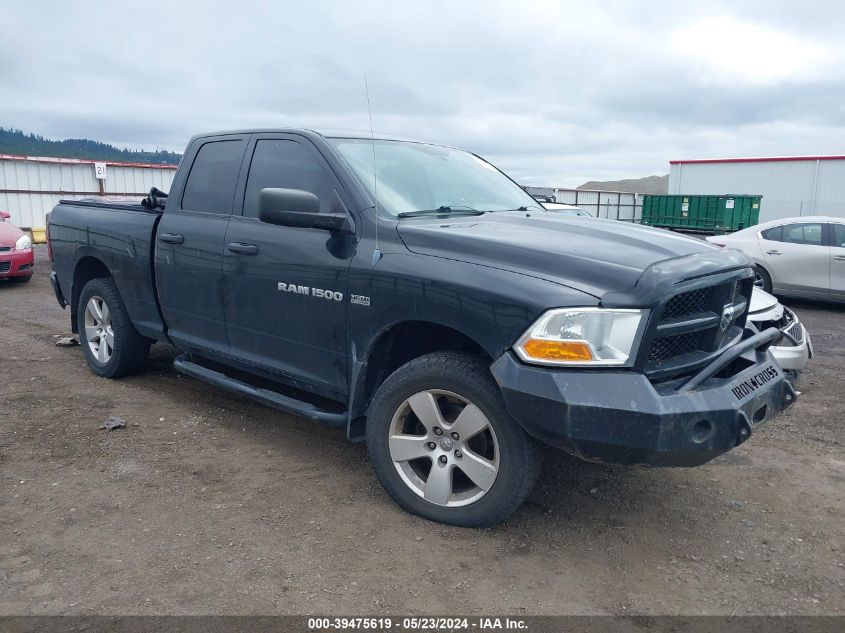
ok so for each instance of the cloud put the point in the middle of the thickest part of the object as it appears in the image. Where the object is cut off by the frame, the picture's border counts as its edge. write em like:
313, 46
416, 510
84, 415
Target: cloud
554, 93
739, 50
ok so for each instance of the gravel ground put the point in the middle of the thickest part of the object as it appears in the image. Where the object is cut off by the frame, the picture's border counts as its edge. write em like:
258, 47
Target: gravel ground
209, 504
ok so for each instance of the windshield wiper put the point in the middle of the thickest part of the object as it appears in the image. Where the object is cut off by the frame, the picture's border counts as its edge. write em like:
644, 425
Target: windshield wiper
444, 210
522, 208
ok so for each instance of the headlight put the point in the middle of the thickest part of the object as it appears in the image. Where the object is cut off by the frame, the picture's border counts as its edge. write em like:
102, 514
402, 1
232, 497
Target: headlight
582, 336
23, 243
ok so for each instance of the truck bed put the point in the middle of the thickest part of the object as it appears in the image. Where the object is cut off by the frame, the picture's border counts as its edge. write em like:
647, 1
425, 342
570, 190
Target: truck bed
119, 233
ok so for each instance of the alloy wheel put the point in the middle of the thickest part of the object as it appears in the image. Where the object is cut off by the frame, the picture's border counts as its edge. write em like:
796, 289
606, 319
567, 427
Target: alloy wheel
444, 448
98, 329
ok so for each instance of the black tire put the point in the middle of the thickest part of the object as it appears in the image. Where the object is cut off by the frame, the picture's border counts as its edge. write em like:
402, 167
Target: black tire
130, 351
762, 279
20, 280
467, 376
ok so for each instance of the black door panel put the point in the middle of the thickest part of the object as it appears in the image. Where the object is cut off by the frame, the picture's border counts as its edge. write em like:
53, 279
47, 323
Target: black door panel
189, 248
288, 330
277, 311
189, 277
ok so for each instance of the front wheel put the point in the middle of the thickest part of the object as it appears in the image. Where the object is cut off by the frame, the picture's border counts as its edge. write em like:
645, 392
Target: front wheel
444, 446
762, 279
111, 344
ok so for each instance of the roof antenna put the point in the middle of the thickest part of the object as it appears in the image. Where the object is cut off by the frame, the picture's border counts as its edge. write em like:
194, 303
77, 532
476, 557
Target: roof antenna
376, 251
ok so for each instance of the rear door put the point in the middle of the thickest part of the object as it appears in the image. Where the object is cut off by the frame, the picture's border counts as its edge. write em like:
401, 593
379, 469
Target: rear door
286, 288
189, 245
798, 256
837, 258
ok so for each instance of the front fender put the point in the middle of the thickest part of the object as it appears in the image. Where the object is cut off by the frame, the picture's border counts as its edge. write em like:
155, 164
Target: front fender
489, 306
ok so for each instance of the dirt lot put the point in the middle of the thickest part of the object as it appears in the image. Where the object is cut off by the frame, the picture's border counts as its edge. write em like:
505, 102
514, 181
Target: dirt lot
208, 503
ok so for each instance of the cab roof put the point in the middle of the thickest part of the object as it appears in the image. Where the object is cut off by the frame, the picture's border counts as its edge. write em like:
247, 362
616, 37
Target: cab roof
365, 135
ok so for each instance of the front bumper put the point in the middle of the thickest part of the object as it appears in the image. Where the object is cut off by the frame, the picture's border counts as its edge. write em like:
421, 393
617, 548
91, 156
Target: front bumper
621, 417
16, 263
796, 348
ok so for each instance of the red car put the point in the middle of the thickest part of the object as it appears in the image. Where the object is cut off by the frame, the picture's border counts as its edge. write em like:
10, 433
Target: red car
16, 255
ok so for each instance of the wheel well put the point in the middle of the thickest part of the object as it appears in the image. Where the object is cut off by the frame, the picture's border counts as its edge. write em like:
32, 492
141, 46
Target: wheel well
403, 343
87, 268
765, 269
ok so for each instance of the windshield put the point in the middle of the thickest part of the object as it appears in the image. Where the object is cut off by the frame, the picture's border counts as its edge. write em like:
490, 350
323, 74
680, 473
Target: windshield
419, 177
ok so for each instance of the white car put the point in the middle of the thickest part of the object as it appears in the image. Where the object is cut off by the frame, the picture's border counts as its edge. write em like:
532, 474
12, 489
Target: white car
795, 348
800, 257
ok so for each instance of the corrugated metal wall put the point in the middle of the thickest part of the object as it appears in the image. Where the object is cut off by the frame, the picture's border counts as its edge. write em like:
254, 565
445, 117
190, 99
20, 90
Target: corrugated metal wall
789, 188
614, 205
29, 188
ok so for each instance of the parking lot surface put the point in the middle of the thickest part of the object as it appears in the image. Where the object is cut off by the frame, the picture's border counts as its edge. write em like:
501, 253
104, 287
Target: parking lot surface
207, 503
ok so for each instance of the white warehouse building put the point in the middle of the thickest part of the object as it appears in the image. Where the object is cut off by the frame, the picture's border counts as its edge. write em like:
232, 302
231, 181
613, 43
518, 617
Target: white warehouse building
30, 186
791, 186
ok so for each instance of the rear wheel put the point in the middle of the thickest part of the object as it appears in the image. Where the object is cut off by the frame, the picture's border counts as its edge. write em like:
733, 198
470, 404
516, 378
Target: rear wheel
762, 279
444, 446
111, 344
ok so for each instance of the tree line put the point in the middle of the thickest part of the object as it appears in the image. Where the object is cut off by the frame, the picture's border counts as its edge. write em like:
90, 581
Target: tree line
17, 142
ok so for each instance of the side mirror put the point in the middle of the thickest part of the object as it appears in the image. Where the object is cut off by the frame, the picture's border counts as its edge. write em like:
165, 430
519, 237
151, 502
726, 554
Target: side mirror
299, 209
5, 215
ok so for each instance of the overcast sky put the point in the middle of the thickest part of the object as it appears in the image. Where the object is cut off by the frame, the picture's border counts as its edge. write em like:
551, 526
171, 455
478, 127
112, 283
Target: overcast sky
554, 93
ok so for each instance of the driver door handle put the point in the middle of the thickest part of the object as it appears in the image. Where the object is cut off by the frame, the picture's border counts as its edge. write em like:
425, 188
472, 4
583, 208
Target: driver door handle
243, 249
839, 258
172, 238
773, 252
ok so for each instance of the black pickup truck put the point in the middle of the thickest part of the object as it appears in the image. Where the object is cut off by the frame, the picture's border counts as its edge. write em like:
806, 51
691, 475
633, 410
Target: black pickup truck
415, 295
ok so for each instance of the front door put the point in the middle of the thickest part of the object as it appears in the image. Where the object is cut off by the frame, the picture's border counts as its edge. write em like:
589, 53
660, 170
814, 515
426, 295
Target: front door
189, 246
798, 256
286, 288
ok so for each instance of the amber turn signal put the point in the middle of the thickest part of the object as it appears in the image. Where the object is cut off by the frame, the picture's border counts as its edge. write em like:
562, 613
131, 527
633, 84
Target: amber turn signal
557, 350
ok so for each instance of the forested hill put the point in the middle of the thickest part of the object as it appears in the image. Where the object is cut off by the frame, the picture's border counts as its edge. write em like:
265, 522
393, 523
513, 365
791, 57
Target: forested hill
17, 142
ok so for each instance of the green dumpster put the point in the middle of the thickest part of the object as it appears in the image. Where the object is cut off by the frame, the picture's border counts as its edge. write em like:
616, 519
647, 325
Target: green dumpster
707, 214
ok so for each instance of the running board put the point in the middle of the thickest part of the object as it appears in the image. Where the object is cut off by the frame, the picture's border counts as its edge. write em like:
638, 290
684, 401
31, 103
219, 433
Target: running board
265, 396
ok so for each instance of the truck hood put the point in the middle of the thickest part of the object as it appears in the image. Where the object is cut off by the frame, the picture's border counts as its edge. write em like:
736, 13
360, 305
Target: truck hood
591, 255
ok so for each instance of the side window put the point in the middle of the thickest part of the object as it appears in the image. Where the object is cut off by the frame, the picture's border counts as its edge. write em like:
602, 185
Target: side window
838, 231
214, 174
775, 234
286, 165
810, 234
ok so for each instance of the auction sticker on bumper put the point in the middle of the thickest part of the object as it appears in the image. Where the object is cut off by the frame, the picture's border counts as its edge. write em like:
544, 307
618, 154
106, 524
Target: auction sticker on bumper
752, 384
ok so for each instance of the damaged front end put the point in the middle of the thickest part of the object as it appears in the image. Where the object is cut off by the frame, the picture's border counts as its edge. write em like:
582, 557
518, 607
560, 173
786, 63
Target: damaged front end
701, 381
